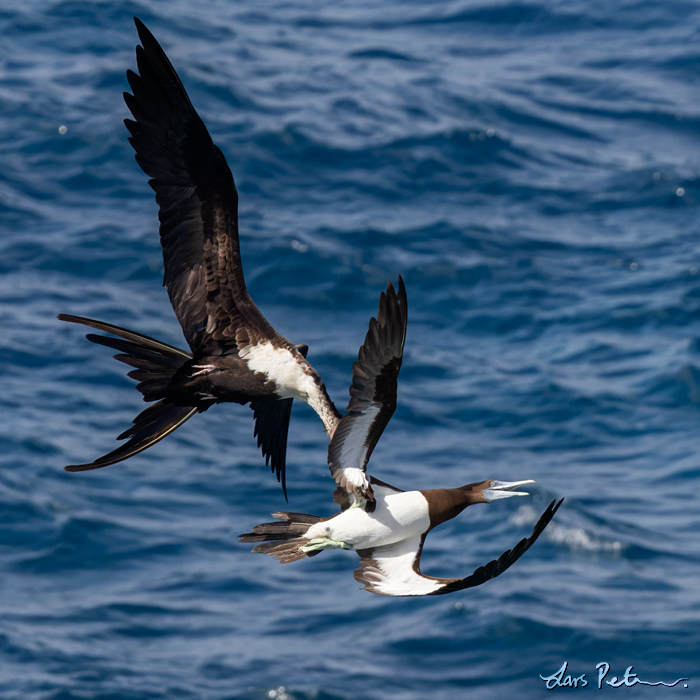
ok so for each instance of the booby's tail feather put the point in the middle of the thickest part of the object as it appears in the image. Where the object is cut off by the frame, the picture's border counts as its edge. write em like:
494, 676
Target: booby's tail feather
282, 540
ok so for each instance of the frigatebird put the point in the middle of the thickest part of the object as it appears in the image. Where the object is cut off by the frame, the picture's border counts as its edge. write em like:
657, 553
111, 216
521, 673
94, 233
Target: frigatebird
386, 526
234, 355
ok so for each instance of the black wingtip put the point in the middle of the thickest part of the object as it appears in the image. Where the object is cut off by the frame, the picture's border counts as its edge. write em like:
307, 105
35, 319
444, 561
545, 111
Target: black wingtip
506, 560
73, 468
396, 298
402, 290
141, 27
148, 41
544, 520
144, 32
556, 508
401, 286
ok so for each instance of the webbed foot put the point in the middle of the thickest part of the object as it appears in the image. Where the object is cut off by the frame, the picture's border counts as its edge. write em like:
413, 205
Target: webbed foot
323, 543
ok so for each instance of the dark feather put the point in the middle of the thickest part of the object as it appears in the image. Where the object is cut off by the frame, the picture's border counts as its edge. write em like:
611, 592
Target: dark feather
198, 213
342, 498
374, 382
155, 364
150, 426
198, 204
271, 429
377, 576
505, 561
284, 552
143, 341
282, 540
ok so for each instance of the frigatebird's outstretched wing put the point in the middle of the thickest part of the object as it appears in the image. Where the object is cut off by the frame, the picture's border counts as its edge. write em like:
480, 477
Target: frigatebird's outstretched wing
395, 569
236, 355
372, 394
198, 205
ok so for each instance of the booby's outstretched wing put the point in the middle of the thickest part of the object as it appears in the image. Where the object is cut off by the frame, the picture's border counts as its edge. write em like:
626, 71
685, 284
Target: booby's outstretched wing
395, 569
198, 205
372, 394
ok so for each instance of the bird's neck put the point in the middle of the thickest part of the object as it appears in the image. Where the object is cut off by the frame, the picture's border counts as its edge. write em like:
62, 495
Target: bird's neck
445, 504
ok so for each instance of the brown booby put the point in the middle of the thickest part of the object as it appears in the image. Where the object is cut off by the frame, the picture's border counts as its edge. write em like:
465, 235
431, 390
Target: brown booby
235, 354
386, 526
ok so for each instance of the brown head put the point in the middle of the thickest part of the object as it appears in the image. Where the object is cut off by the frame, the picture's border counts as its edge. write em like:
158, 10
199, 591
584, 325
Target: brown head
445, 504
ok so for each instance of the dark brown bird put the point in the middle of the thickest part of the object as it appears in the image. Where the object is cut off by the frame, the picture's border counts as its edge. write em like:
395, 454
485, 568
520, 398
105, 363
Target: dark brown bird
235, 355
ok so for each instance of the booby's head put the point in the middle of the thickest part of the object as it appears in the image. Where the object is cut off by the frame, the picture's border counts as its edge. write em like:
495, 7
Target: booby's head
494, 490
445, 504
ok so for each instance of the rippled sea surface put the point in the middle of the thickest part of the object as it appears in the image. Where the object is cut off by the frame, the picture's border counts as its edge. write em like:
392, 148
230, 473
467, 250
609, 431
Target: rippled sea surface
532, 169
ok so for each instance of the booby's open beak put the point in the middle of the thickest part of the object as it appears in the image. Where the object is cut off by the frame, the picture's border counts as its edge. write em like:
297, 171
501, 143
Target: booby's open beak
504, 489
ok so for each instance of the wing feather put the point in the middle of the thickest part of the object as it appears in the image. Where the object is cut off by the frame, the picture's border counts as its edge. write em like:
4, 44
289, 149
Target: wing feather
271, 429
372, 393
198, 204
395, 569
505, 561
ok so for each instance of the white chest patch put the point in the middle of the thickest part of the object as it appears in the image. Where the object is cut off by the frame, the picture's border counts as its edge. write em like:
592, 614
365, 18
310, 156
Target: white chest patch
283, 368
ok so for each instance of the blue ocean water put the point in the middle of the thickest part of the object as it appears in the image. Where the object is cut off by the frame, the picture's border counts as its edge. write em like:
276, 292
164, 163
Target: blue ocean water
532, 169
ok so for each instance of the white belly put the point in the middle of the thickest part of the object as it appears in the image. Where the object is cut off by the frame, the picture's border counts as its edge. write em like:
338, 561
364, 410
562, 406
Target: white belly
395, 518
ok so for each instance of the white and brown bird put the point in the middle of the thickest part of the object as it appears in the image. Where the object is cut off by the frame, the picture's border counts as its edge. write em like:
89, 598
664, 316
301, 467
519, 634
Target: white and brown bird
386, 526
234, 354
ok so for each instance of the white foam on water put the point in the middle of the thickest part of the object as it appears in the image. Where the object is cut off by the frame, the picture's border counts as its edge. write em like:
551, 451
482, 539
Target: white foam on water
572, 537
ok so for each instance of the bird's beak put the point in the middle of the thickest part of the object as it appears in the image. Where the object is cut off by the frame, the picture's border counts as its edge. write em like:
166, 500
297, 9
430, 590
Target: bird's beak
504, 489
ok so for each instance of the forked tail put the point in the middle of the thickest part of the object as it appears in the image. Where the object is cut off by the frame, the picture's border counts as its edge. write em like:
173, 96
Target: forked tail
283, 540
154, 364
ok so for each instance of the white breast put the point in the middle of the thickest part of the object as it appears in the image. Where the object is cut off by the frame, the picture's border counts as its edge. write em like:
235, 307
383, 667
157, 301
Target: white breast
282, 367
293, 377
396, 517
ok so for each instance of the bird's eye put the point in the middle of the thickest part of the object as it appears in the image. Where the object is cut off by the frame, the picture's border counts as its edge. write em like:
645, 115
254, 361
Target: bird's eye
493, 484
